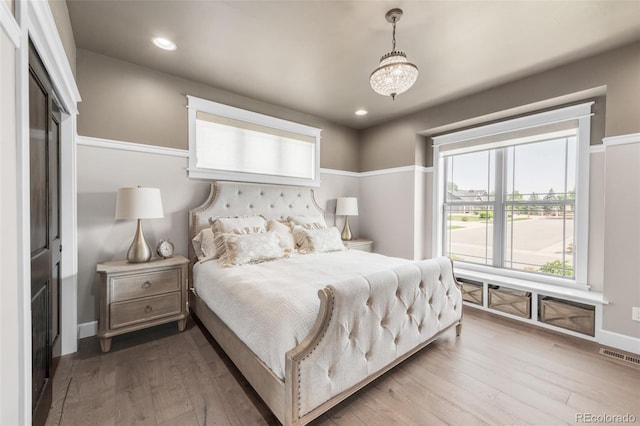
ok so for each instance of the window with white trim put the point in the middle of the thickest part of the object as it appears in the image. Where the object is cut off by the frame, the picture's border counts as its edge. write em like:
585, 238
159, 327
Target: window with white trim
229, 143
513, 196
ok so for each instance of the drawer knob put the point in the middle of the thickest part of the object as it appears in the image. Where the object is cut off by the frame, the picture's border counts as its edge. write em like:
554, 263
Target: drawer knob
146, 284
148, 309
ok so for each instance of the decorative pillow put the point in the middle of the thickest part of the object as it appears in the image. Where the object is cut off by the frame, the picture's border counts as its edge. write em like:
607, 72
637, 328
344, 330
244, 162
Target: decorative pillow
306, 220
250, 248
299, 236
283, 232
228, 224
222, 225
204, 245
319, 240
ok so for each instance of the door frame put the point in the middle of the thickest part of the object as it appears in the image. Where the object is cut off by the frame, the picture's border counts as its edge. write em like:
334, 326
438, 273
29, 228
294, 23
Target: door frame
36, 23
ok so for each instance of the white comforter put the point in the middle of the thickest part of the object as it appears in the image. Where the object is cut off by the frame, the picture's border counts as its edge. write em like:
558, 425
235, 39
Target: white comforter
272, 306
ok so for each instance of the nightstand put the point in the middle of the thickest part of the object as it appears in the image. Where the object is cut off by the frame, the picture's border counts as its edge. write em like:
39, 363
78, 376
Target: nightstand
359, 244
134, 296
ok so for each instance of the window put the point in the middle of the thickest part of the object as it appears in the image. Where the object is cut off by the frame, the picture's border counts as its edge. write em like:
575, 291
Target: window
228, 143
513, 196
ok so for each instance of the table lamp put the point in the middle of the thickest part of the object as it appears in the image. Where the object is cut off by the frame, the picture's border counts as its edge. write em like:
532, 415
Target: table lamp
346, 206
139, 203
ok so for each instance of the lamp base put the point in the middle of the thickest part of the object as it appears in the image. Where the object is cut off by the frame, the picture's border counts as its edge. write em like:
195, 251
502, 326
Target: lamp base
346, 231
139, 252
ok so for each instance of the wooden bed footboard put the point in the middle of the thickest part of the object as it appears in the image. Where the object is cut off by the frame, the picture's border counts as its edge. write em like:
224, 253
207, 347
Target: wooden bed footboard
366, 326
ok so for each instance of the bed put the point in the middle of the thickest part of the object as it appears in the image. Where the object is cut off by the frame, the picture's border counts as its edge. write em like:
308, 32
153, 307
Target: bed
310, 330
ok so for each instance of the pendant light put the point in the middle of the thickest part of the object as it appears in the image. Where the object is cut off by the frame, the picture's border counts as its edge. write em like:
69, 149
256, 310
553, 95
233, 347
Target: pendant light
395, 74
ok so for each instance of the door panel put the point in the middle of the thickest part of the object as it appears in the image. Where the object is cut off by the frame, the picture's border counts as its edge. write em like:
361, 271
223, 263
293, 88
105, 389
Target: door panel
44, 161
54, 233
40, 355
38, 163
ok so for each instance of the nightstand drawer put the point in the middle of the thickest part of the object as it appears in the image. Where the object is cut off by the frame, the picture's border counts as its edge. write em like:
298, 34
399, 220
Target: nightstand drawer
128, 287
359, 244
141, 310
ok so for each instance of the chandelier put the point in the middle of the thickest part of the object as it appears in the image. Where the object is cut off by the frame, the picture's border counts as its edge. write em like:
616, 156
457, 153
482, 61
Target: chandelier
395, 74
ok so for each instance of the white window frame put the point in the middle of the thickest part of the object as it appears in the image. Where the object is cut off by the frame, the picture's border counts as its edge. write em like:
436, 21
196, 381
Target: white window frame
581, 113
196, 105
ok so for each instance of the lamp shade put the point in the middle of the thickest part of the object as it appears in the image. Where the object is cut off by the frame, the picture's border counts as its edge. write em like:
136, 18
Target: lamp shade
347, 206
139, 203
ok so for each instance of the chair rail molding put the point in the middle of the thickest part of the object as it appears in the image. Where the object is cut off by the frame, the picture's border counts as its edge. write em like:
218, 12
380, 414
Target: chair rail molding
621, 140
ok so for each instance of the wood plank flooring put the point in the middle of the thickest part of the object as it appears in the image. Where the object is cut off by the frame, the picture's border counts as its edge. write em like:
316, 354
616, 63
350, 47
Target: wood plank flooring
499, 372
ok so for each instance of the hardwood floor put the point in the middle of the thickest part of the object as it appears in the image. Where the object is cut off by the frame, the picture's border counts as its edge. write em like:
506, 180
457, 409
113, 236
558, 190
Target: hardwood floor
498, 372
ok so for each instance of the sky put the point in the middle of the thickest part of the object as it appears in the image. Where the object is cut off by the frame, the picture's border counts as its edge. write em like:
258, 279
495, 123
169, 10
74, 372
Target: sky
539, 167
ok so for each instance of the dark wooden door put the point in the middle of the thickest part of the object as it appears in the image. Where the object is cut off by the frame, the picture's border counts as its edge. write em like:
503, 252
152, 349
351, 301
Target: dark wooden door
44, 153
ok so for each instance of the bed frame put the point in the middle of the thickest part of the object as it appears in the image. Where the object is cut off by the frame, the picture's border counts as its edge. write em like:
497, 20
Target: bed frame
316, 378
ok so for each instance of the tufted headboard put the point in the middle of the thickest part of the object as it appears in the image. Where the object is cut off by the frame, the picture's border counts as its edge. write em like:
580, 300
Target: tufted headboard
248, 199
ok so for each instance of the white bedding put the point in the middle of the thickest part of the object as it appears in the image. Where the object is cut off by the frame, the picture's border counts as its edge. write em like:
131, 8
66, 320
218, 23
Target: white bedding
272, 306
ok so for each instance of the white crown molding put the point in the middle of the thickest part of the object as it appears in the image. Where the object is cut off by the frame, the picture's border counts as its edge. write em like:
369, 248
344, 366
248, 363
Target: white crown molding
619, 341
389, 171
621, 140
130, 146
9, 24
593, 149
339, 172
151, 149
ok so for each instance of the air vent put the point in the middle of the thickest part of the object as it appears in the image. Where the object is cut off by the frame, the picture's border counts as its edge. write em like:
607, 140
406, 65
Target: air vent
620, 356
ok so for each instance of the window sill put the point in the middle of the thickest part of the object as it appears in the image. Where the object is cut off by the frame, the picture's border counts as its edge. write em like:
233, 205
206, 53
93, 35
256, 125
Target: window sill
578, 295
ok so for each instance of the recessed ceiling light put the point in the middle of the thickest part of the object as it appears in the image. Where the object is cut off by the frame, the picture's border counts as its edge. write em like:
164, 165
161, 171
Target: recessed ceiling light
362, 112
164, 43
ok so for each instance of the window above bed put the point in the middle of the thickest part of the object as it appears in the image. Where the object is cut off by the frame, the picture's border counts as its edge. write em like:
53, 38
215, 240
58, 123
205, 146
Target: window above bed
228, 143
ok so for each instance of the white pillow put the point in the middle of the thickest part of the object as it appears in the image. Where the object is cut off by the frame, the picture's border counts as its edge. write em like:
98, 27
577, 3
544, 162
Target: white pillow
250, 248
319, 240
203, 244
299, 236
283, 233
306, 220
222, 225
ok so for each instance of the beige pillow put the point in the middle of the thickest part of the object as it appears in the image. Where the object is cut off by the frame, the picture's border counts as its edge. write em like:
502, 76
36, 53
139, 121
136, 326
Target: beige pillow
241, 249
307, 220
284, 234
240, 224
204, 245
319, 240
228, 224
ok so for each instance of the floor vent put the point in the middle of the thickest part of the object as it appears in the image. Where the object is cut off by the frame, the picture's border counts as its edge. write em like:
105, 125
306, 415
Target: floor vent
622, 357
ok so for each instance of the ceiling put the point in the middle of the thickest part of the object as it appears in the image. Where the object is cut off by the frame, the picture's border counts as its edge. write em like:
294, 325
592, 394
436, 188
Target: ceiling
316, 56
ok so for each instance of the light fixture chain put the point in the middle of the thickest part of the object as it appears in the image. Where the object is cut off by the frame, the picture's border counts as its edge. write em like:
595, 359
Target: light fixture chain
394, 35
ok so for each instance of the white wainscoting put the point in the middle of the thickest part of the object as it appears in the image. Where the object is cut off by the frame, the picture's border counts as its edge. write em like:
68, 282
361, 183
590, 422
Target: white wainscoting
395, 211
106, 165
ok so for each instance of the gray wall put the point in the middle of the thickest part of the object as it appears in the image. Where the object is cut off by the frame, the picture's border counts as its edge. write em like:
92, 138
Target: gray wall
611, 79
60, 14
127, 102
393, 144
622, 237
123, 101
101, 238
130, 103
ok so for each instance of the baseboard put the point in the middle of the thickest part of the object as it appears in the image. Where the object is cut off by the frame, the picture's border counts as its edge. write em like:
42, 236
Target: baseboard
87, 329
619, 341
